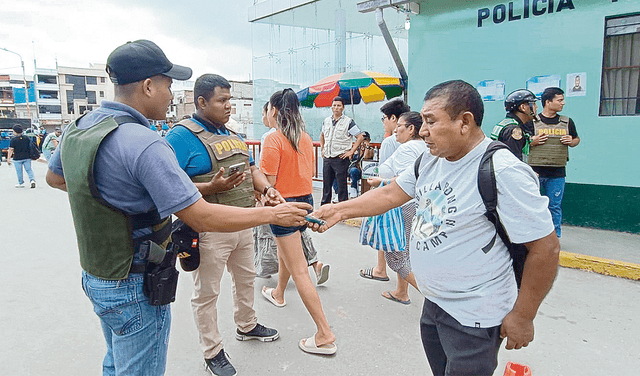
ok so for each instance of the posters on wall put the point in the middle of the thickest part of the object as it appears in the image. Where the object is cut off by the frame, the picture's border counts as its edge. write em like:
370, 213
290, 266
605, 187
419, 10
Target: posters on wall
537, 84
491, 90
576, 85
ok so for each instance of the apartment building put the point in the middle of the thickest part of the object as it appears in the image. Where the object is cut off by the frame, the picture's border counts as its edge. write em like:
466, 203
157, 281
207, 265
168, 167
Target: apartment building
83, 89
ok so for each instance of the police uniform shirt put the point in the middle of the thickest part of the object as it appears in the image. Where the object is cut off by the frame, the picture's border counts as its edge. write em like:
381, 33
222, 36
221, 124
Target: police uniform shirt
513, 136
135, 169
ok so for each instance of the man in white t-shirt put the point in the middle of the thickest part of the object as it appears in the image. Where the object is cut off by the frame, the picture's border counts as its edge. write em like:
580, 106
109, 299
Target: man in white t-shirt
472, 301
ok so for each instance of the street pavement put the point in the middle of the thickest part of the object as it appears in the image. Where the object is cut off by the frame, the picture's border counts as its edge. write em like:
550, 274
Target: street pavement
588, 324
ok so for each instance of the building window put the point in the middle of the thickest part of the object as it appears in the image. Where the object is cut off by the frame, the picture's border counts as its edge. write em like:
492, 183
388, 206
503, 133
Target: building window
103, 80
91, 97
101, 94
49, 109
70, 101
47, 94
44, 79
82, 109
620, 93
92, 80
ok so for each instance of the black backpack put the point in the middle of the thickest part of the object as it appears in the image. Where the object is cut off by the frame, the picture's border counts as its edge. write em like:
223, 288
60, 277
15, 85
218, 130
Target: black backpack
489, 194
34, 152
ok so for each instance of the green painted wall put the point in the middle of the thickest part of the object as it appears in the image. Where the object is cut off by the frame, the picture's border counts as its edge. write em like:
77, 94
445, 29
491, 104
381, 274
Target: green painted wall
446, 43
602, 206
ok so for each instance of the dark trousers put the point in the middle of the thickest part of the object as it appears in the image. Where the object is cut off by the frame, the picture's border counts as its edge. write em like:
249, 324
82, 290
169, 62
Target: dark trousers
456, 350
334, 169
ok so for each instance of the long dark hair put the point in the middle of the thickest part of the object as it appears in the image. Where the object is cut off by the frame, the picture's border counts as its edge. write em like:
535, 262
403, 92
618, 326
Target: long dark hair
413, 118
289, 120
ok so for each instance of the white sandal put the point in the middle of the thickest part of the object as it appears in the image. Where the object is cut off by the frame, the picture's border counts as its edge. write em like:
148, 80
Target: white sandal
267, 293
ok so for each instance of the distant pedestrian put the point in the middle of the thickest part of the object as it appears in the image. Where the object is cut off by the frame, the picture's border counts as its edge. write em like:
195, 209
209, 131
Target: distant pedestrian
50, 143
19, 150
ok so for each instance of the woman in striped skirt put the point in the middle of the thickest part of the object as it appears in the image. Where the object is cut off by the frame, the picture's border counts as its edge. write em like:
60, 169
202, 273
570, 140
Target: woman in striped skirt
390, 232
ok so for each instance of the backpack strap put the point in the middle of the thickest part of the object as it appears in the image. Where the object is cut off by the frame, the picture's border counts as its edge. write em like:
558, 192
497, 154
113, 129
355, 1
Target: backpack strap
416, 166
489, 193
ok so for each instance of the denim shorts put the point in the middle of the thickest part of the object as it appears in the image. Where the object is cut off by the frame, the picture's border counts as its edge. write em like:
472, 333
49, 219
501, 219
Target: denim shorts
281, 231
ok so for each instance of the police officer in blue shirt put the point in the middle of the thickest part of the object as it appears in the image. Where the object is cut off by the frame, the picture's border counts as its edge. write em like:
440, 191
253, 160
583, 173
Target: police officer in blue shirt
124, 182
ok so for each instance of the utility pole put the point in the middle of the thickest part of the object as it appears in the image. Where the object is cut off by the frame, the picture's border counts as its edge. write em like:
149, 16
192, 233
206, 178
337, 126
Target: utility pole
24, 79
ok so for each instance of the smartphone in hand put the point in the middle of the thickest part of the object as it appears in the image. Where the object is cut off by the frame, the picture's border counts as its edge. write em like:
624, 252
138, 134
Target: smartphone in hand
311, 219
238, 167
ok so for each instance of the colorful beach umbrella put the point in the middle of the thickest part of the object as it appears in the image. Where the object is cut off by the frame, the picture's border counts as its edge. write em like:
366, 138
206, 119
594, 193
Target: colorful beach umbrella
353, 87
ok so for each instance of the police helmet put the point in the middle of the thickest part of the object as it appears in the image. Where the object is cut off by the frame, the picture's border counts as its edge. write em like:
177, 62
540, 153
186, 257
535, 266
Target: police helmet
518, 97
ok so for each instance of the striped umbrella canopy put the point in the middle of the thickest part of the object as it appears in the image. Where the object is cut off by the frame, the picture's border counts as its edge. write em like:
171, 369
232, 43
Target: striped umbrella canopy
353, 87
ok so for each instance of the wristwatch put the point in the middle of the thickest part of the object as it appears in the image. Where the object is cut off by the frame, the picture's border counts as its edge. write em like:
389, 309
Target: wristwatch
266, 189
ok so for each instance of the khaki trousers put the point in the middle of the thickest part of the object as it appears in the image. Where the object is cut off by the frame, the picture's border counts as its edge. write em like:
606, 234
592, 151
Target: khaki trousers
217, 249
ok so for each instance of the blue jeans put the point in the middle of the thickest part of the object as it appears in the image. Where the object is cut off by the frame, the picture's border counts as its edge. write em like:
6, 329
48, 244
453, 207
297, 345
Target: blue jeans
554, 189
355, 174
26, 164
137, 334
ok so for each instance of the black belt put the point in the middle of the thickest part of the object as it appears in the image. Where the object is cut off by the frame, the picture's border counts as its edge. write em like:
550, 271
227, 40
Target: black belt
137, 268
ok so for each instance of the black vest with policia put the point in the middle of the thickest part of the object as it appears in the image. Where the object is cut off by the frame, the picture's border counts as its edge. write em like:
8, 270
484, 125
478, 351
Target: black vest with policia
224, 151
104, 232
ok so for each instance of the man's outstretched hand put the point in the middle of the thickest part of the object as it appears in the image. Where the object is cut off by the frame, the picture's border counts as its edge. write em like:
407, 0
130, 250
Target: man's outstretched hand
328, 213
291, 214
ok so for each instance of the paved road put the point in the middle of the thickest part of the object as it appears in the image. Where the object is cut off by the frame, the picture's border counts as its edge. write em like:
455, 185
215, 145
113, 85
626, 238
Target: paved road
588, 325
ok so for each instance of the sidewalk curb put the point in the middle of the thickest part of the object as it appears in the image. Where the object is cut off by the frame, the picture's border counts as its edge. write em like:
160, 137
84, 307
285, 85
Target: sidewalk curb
600, 265
576, 261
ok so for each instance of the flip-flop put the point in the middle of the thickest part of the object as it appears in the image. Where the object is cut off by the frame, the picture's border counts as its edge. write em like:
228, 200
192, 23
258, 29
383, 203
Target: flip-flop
323, 276
393, 298
308, 345
268, 295
368, 274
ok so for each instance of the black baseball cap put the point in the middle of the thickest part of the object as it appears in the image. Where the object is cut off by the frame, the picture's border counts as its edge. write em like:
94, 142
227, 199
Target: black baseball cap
140, 59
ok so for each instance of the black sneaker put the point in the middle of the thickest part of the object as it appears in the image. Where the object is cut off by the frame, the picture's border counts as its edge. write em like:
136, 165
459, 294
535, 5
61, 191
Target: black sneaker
219, 365
260, 332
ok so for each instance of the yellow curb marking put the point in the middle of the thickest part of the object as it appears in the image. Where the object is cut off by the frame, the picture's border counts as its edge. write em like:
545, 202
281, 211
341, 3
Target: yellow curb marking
600, 265
577, 261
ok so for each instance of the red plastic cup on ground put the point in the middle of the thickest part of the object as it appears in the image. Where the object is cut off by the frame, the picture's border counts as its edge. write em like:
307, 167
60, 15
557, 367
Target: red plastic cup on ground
515, 369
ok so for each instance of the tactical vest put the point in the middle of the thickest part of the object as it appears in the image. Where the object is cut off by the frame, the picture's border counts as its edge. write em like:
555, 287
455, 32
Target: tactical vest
336, 137
224, 151
552, 153
498, 128
104, 232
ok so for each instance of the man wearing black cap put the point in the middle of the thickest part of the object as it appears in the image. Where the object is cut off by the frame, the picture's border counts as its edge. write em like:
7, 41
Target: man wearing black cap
19, 149
124, 182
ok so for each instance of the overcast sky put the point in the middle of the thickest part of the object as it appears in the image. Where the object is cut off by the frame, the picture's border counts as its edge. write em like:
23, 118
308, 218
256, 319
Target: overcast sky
210, 36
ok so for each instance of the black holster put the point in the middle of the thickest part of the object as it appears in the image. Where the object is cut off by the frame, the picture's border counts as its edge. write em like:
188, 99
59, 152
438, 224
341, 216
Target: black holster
161, 280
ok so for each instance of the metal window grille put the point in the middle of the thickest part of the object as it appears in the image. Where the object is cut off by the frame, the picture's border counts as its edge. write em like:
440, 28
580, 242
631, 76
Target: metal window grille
620, 89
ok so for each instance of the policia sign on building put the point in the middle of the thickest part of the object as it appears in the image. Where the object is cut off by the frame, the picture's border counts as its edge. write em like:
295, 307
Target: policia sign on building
530, 8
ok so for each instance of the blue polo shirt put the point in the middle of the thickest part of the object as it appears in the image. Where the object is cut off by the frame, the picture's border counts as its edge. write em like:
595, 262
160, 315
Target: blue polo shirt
191, 153
135, 169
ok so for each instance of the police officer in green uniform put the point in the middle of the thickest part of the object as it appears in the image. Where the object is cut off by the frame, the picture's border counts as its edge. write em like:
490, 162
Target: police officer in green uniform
124, 183
521, 108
